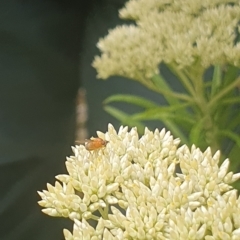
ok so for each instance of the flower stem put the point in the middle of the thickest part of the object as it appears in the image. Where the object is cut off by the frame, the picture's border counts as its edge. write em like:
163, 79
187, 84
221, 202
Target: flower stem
222, 93
104, 212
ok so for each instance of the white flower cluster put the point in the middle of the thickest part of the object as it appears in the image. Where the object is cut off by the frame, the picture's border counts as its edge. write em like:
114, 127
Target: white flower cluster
145, 188
182, 33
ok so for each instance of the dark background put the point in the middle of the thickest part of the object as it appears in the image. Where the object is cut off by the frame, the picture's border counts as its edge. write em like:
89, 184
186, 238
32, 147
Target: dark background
46, 51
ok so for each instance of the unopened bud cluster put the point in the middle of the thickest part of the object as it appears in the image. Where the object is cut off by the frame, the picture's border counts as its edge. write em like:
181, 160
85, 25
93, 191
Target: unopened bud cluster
184, 33
145, 188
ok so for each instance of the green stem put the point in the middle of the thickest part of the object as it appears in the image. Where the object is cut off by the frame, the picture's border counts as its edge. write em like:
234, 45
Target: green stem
93, 217
183, 78
206, 113
104, 212
225, 91
192, 79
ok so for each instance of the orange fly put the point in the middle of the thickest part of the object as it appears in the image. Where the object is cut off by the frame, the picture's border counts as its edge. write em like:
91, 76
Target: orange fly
95, 143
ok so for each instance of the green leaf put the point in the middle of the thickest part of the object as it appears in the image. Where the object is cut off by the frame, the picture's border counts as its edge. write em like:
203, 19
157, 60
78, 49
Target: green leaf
184, 78
134, 120
234, 158
234, 122
175, 130
161, 83
216, 81
231, 135
164, 89
226, 91
133, 99
230, 74
124, 118
164, 113
230, 100
195, 135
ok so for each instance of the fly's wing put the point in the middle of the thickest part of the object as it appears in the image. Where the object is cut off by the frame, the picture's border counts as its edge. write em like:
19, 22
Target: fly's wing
82, 142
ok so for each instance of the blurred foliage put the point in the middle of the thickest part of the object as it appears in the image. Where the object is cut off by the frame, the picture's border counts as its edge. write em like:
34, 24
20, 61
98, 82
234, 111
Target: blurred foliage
207, 114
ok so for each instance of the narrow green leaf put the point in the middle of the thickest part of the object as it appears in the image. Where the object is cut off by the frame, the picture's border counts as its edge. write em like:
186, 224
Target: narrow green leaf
175, 130
184, 77
235, 121
164, 116
130, 120
234, 158
161, 83
195, 135
230, 74
216, 81
124, 118
231, 135
133, 99
231, 100
228, 89
163, 113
